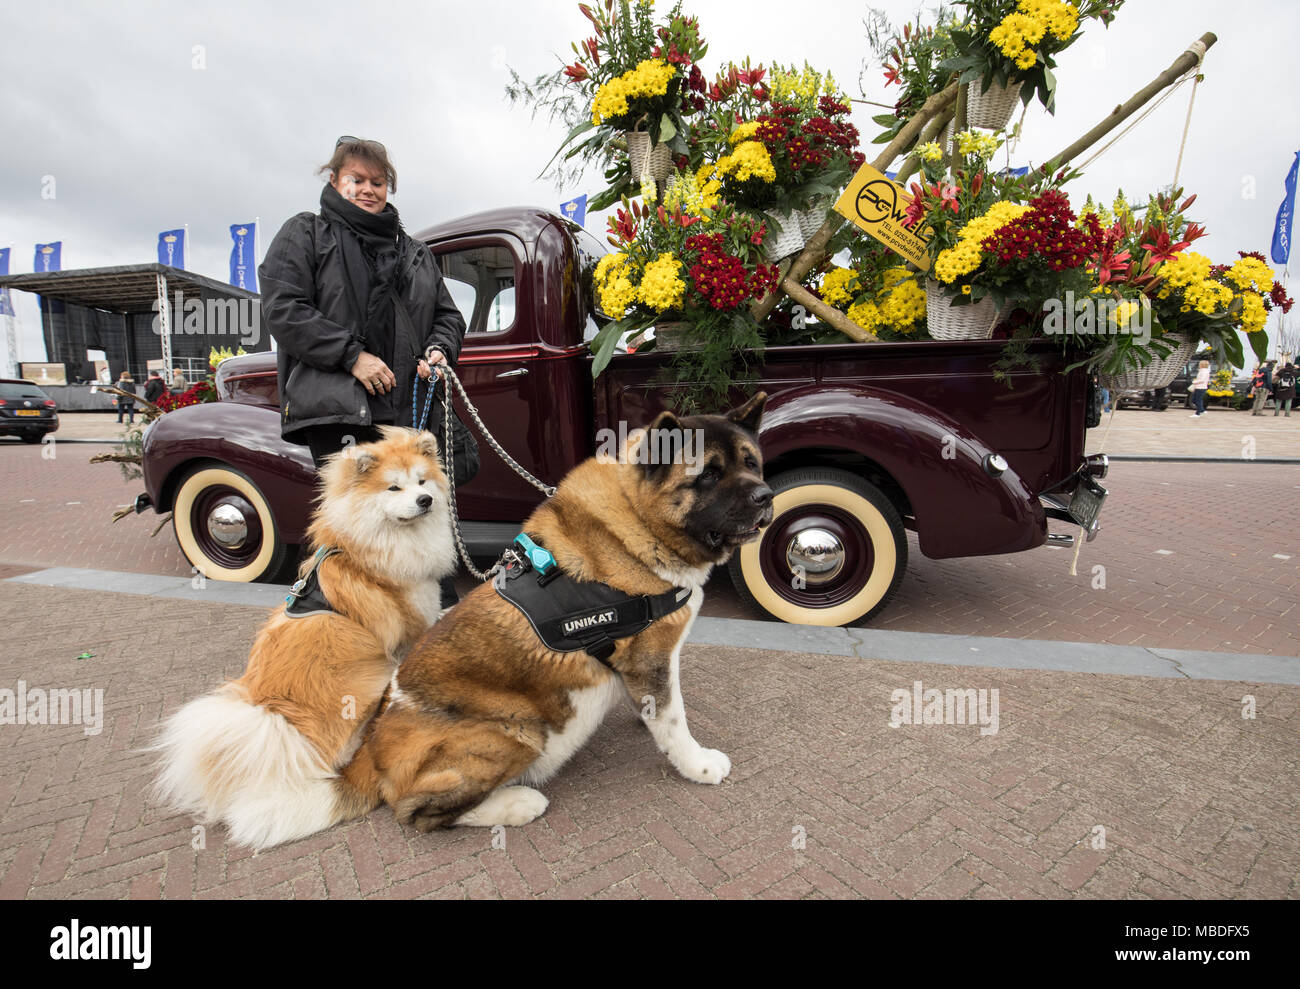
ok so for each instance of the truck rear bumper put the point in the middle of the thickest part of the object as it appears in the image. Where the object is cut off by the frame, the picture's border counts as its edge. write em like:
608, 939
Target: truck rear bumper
1078, 499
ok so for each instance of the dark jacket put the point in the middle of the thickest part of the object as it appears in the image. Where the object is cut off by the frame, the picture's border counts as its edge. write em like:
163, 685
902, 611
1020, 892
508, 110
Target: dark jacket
1284, 384
126, 386
153, 389
316, 317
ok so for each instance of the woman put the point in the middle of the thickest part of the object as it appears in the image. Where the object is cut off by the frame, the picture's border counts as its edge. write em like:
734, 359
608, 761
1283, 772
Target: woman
358, 309
1199, 386
126, 383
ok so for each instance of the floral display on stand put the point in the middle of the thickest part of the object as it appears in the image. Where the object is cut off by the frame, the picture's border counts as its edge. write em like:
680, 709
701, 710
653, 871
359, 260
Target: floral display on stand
1006, 51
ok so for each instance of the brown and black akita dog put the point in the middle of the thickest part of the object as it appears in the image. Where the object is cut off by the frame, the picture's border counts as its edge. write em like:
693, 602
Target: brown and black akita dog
481, 707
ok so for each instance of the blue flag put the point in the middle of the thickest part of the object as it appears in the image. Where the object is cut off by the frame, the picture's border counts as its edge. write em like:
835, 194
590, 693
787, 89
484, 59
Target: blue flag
576, 210
6, 303
1285, 217
49, 257
171, 248
243, 265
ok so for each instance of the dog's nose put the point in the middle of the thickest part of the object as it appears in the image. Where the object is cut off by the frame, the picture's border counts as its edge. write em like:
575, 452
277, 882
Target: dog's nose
424, 501
761, 496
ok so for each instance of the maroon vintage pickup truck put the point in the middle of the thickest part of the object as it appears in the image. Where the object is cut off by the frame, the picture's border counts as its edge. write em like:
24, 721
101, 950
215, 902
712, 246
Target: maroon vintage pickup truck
862, 441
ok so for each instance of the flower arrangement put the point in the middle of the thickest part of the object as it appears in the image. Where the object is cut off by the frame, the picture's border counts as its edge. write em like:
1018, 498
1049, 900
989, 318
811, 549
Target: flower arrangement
693, 259
1014, 42
634, 74
198, 394
216, 357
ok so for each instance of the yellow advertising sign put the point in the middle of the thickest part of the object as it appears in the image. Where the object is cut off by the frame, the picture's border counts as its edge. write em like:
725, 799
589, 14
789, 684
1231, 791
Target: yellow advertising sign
878, 205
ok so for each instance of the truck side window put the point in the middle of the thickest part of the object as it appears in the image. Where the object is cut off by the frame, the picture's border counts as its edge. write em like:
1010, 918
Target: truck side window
482, 283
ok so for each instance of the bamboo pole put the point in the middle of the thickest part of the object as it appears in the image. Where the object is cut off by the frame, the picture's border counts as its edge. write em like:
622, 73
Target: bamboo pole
1188, 60
814, 251
958, 125
826, 312
932, 131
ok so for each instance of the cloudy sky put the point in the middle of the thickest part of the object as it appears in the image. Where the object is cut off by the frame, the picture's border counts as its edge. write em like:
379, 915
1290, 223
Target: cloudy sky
152, 115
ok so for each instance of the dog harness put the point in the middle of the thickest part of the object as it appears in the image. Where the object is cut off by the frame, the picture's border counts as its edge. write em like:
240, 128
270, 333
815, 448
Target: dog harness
306, 597
574, 616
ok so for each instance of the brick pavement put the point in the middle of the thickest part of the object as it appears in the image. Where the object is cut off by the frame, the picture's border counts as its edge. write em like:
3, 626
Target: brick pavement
1194, 801
1217, 590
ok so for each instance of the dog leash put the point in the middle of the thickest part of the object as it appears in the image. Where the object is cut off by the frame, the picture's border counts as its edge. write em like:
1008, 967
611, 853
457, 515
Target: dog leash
450, 443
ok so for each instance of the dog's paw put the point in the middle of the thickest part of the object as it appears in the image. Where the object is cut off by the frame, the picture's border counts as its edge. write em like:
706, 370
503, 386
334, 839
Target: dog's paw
705, 766
512, 806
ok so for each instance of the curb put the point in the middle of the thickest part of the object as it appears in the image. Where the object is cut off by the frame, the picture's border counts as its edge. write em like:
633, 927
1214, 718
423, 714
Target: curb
860, 644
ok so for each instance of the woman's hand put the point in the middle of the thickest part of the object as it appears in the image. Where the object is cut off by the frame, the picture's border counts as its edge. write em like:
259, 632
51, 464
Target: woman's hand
434, 357
374, 374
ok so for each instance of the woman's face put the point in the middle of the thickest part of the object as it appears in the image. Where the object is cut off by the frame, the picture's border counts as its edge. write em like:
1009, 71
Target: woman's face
362, 185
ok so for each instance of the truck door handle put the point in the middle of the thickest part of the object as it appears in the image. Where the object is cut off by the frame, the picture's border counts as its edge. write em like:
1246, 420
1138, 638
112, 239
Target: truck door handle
516, 373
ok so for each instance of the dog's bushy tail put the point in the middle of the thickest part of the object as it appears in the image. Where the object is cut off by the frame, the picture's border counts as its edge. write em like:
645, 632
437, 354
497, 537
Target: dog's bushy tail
225, 759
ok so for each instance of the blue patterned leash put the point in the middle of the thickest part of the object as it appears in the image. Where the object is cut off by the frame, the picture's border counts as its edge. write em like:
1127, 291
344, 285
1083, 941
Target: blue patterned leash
418, 422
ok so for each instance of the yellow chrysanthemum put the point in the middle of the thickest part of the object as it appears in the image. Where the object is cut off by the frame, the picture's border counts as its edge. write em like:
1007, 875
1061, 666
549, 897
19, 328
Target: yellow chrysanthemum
748, 160
613, 285
649, 78
1253, 313
1251, 271
904, 307
745, 132
661, 289
866, 315
840, 286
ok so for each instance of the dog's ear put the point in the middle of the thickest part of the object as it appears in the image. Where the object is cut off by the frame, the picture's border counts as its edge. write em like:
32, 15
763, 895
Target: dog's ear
661, 445
427, 444
360, 458
749, 415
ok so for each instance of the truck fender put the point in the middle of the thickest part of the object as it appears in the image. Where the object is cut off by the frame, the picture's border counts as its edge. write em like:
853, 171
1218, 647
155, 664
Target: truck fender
245, 437
960, 503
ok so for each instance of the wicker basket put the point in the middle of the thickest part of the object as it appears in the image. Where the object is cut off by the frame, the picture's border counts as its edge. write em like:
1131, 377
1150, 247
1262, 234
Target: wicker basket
1160, 373
672, 335
991, 108
948, 322
789, 241
811, 220
653, 160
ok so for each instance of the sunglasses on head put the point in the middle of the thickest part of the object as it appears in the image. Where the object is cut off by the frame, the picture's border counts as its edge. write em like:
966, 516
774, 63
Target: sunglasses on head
349, 139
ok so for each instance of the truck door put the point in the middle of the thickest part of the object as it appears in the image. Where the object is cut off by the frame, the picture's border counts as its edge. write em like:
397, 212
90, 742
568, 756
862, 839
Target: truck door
523, 390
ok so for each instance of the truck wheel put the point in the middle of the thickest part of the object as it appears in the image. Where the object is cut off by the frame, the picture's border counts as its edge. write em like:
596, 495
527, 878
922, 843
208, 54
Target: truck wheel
225, 527
834, 553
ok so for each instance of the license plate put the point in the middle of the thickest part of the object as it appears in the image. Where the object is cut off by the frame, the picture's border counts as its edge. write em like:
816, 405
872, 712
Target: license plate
28, 412
1085, 505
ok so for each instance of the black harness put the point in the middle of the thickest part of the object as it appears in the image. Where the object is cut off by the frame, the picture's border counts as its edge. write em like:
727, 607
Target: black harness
306, 597
574, 616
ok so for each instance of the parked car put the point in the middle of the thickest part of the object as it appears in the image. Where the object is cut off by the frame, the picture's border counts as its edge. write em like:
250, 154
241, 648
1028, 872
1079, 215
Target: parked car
862, 441
26, 411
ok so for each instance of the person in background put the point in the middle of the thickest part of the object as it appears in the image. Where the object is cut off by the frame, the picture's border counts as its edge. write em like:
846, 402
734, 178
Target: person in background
154, 387
1200, 384
178, 381
1105, 400
124, 404
1284, 391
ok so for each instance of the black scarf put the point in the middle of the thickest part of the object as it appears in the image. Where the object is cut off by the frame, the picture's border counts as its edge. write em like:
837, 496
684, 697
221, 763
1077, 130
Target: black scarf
370, 256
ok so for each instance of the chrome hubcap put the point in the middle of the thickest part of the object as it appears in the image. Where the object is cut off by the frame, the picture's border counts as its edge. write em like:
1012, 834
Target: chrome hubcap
816, 555
227, 526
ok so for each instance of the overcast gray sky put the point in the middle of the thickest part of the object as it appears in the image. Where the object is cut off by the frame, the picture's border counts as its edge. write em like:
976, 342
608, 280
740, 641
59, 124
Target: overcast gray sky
142, 135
